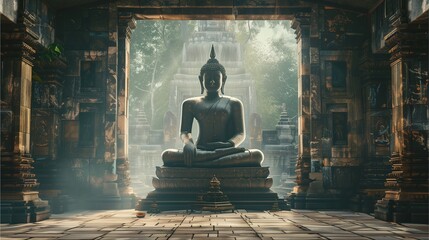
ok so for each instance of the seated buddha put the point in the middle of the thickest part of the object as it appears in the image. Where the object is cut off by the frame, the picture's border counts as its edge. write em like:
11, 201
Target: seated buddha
221, 126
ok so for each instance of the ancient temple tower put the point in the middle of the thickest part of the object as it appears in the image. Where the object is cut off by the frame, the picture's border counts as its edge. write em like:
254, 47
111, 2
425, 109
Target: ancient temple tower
280, 152
195, 54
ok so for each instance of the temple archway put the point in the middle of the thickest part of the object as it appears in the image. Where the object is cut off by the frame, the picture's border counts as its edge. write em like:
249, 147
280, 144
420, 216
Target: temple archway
341, 98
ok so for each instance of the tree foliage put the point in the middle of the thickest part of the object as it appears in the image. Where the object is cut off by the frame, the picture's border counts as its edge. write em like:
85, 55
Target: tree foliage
271, 58
155, 56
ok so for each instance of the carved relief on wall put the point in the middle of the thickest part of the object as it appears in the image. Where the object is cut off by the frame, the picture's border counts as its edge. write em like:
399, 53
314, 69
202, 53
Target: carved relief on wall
381, 132
314, 55
416, 142
45, 95
109, 141
6, 131
41, 133
40, 96
377, 96
315, 94
6, 83
339, 128
418, 83
111, 91
54, 96
342, 29
70, 109
337, 26
326, 138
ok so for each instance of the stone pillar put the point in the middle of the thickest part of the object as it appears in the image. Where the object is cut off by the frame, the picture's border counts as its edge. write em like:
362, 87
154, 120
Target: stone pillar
342, 34
20, 202
301, 24
316, 190
126, 24
329, 107
375, 76
110, 198
406, 199
316, 122
45, 136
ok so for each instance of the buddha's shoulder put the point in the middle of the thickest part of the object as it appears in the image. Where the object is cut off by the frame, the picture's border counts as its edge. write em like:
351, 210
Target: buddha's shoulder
233, 100
192, 100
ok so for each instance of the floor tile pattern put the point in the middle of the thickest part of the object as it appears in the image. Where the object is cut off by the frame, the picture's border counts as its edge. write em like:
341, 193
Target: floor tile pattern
295, 224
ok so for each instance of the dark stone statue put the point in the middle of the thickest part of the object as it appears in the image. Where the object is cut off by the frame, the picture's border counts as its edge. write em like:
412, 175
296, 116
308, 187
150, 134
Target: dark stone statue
221, 123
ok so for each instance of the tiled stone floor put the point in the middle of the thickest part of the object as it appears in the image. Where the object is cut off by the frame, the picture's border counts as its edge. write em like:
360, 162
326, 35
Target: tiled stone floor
296, 224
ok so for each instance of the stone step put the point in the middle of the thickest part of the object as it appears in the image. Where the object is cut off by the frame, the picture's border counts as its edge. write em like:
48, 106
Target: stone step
207, 173
204, 183
182, 200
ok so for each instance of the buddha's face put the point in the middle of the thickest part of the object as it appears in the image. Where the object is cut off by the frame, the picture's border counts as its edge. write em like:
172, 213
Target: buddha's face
212, 81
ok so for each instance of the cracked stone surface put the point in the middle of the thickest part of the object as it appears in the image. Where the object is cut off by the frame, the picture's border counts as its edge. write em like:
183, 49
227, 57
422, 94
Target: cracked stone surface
175, 225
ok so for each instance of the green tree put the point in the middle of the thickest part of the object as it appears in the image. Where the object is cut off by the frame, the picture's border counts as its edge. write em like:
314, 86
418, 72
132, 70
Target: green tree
154, 56
271, 57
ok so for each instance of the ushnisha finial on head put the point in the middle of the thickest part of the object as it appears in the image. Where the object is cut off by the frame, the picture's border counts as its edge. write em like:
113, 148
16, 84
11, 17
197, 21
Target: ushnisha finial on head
212, 53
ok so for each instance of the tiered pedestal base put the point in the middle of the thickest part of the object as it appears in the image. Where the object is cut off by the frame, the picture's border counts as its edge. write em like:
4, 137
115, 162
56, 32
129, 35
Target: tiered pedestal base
20, 203
402, 211
407, 199
23, 211
178, 188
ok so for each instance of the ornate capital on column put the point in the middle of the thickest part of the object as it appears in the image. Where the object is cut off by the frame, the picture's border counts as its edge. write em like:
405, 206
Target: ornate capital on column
301, 24
126, 24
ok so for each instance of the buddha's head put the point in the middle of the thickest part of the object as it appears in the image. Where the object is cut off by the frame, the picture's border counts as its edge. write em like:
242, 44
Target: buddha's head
212, 75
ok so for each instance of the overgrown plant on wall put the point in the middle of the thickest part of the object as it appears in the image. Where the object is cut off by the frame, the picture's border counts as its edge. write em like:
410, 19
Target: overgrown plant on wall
45, 56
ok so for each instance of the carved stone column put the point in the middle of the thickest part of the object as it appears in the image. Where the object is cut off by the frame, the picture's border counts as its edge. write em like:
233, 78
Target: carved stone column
316, 122
126, 24
406, 199
375, 76
329, 107
301, 24
20, 202
110, 198
45, 136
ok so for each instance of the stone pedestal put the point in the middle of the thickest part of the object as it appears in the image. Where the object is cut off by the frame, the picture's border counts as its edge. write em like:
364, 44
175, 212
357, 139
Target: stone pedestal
178, 188
407, 197
19, 202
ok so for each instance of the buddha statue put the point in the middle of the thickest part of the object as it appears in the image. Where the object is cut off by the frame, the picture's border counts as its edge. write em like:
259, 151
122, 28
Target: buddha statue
221, 126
